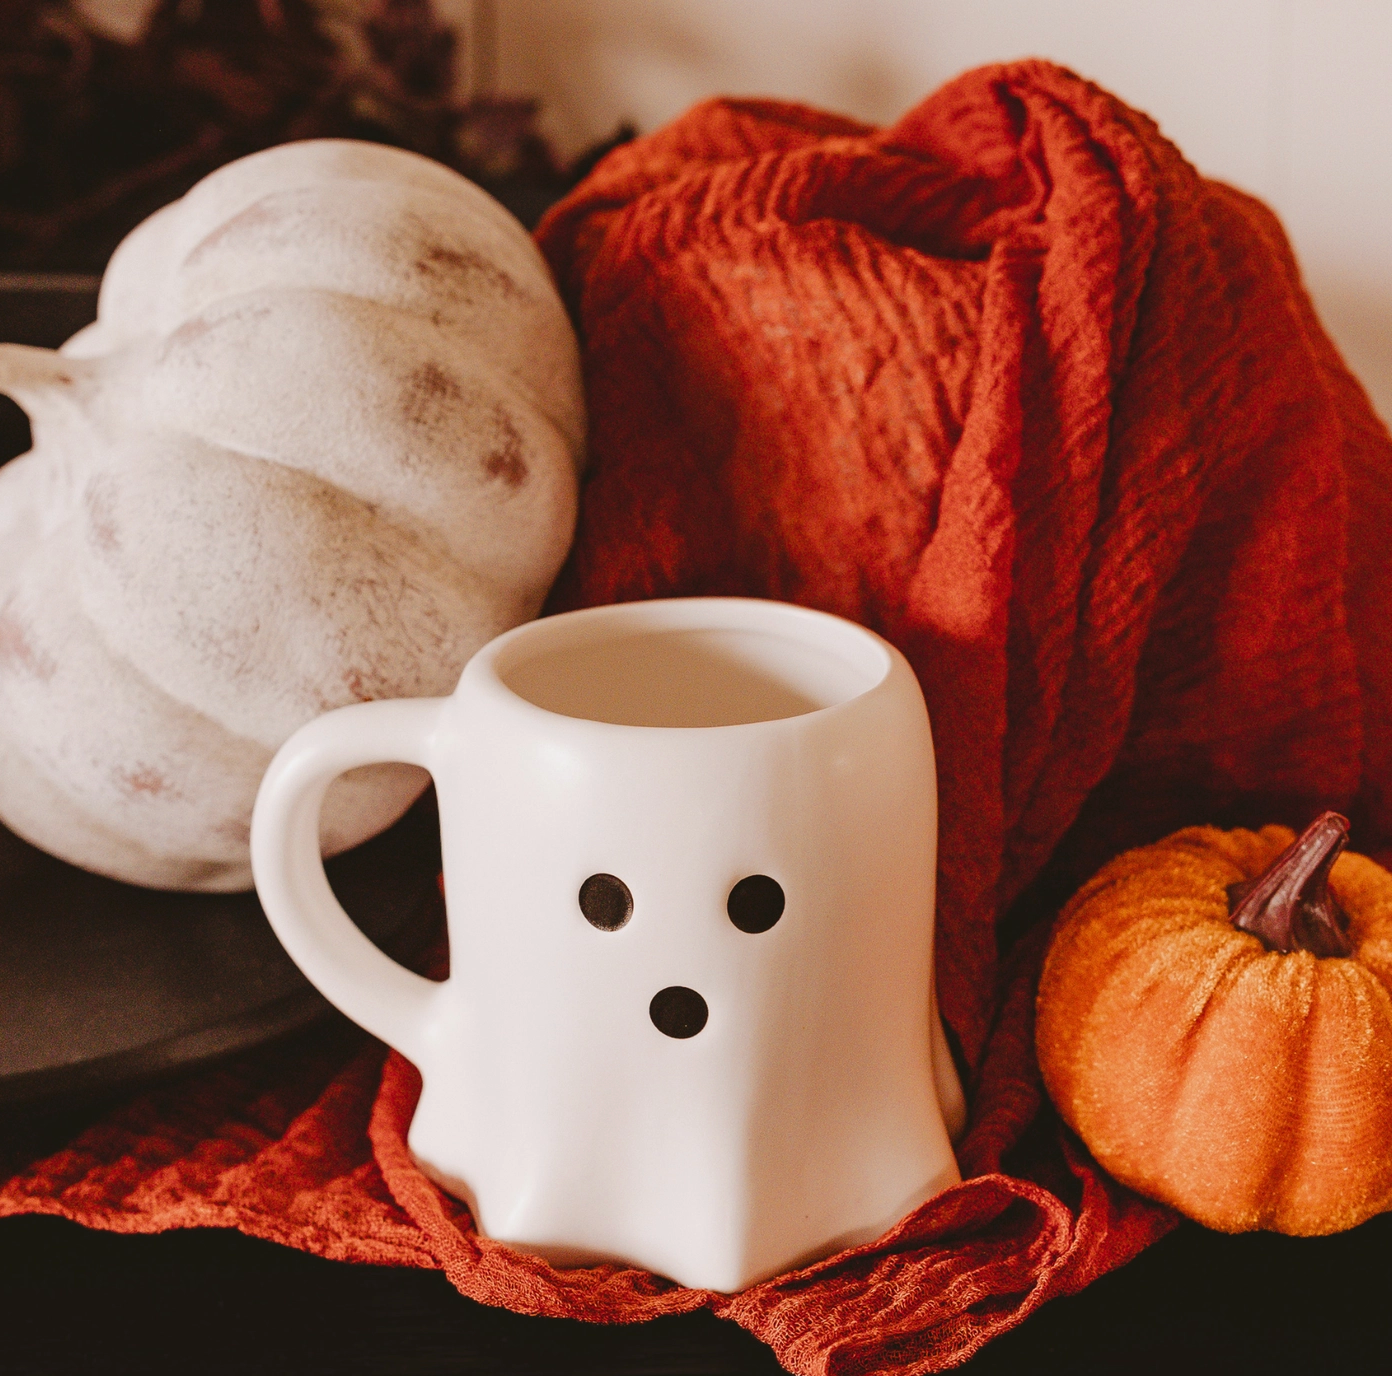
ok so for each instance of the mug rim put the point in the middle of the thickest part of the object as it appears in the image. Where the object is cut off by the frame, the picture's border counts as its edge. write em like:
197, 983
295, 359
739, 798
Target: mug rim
861, 645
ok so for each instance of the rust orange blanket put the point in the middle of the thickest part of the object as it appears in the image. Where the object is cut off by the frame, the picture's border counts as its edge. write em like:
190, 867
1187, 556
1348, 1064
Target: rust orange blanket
1011, 384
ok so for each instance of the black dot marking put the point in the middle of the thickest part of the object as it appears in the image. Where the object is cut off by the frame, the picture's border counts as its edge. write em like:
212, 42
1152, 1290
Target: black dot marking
755, 903
606, 902
678, 1011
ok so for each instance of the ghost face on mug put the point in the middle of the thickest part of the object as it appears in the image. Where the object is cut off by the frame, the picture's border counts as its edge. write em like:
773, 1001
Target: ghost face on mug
677, 927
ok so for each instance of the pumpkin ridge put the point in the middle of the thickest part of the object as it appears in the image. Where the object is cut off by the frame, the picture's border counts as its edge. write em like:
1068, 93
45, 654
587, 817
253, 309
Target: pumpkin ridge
1224, 966
115, 842
416, 529
430, 540
1183, 1130
45, 766
469, 344
1281, 1178
451, 186
469, 355
97, 630
319, 693
30, 490
307, 206
1196, 1007
1364, 889
98, 633
1318, 1115
126, 657
433, 319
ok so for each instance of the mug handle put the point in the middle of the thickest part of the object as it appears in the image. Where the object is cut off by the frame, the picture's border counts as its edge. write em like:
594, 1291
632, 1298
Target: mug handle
387, 999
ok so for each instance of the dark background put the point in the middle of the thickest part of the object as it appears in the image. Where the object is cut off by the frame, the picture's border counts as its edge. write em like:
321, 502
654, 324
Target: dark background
73, 1301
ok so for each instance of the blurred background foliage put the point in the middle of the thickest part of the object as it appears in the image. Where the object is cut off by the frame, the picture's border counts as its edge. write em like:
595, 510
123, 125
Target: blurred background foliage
109, 109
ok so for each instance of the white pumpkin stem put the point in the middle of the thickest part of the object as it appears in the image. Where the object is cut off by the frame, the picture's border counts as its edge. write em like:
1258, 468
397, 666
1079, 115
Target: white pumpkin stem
43, 382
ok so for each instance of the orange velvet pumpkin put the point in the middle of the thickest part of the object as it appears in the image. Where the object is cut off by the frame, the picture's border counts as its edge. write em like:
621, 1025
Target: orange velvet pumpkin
1247, 1085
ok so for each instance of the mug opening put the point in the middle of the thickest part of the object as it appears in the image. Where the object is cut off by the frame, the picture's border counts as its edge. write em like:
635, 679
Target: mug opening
695, 675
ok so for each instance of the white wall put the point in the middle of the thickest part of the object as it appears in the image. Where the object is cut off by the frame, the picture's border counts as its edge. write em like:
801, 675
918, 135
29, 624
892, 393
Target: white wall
1290, 99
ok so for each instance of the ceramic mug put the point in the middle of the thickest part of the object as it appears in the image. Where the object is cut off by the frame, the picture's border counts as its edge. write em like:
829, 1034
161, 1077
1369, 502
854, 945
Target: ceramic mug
689, 856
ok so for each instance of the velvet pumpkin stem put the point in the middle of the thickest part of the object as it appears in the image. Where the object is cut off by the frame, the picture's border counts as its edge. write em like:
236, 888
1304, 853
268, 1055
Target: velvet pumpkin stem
1289, 907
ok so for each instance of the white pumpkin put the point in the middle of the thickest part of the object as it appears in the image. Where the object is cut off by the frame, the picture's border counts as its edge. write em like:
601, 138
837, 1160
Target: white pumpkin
322, 442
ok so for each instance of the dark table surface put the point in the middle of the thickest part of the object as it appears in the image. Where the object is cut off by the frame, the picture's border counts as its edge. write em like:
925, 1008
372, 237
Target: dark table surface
74, 1301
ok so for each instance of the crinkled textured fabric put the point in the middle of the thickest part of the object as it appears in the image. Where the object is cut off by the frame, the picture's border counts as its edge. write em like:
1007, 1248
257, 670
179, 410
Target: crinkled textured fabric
1014, 386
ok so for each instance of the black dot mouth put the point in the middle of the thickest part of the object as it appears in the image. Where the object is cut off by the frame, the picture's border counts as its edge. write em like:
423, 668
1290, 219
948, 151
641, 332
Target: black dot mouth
677, 1011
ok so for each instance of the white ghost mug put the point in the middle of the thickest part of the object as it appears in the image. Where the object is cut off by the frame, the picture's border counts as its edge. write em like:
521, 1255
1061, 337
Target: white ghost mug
689, 857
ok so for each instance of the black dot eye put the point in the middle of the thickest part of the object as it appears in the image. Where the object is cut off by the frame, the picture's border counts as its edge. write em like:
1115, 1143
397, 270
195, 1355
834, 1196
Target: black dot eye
755, 903
606, 902
678, 1011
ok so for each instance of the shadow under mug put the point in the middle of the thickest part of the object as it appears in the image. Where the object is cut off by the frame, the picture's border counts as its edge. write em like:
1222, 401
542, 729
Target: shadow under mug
689, 858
